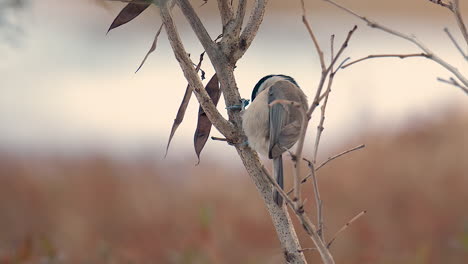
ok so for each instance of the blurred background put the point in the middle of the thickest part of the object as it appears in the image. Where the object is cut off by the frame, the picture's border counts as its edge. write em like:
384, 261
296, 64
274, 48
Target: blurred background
83, 178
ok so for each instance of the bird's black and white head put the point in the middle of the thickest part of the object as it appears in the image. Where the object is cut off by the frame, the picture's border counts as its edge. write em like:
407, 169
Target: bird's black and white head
269, 80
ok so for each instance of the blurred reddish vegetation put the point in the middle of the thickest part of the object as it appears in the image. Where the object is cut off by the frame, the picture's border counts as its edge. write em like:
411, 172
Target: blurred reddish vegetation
95, 209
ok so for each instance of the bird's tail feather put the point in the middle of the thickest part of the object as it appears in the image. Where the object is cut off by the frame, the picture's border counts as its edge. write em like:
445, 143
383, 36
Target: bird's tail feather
278, 174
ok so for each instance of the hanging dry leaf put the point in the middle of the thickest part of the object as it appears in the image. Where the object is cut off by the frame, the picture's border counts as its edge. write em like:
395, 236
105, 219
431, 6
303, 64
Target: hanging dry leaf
129, 12
153, 47
204, 124
183, 107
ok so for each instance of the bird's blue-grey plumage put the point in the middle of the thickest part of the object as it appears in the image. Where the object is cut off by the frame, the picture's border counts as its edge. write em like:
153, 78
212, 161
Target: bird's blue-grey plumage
273, 129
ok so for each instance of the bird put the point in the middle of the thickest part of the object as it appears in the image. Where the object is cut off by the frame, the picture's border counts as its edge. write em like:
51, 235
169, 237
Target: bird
272, 129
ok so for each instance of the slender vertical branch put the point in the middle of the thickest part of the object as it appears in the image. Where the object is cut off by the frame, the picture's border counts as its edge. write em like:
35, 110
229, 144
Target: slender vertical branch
461, 24
320, 127
455, 43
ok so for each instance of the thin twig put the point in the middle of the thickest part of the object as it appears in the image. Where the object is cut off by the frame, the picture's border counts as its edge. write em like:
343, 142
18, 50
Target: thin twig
455, 43
312, 35
460, 22
320, 127
339, 155
401, 56
442, 3
454, 82
454, 7
307, 249
325, 73
409, 38
327, 161
318, 200
309, 227
345, 227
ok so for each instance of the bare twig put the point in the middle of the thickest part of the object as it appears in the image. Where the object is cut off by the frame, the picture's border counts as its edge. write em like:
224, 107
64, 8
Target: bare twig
345, 227
325, 73
460, 22
326, 95
339, 155
307, 249
401, 56
318, 200
454, 7
442, 3
327, 161
454, 82
412, 39
455, 43
312, 35
309, 227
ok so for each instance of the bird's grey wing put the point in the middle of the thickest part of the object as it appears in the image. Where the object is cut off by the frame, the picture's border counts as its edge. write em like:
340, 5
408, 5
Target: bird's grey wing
285, 120
278, 119
290, 134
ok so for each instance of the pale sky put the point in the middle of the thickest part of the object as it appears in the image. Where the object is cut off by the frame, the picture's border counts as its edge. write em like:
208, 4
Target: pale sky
67, 85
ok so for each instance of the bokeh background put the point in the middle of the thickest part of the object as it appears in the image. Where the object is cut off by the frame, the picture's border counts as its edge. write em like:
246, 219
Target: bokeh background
83, 178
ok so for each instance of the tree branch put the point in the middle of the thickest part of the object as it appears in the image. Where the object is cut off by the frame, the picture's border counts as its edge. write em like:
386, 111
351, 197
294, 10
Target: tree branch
401, 56
225, 9
460, 22
312, 35
454, 7
226, 128
327, 161
250, 30
411, 39
455, 43
305, 221
454, 82
318, 200
208, 44
279, 215
345, 227
240, 14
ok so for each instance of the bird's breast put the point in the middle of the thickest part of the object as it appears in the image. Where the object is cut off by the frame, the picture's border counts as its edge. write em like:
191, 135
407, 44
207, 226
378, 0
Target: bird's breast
255, 122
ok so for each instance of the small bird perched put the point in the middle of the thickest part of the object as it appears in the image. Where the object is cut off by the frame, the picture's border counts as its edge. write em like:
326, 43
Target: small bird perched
273, 129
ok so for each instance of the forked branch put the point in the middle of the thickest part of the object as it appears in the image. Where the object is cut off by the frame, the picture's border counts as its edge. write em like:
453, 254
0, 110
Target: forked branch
191, 75
428, 53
